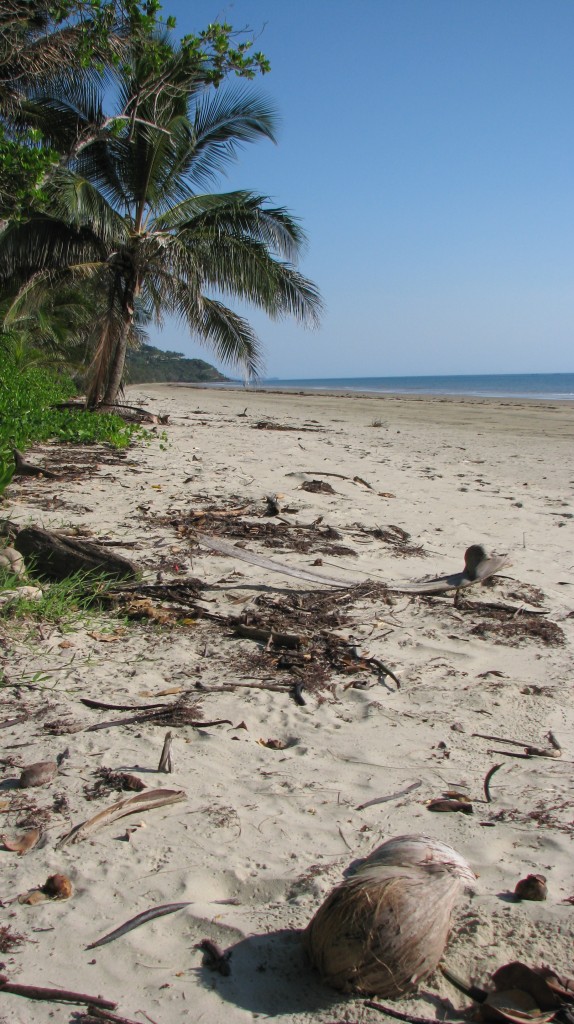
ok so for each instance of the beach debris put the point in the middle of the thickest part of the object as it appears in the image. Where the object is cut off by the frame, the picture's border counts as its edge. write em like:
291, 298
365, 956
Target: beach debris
518, 994
409, 1018
385, 927
459, 802
145, 801
139, 919
53, 995
487, 781
10, 940
477, 572
317, 487
214, 957
533, 887
56, 555
39, 774
529, 749
165, 761
56, 887
24, 843
107, 780
23, 468
391, 796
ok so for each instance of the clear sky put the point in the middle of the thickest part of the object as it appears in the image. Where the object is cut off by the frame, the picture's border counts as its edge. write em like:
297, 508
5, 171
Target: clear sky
428, 148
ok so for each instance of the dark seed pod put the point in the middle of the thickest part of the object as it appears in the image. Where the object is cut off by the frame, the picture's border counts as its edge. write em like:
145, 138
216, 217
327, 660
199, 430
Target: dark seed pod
533, 887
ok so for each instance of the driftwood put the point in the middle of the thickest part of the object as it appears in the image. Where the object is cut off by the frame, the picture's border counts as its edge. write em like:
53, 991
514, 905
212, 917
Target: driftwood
53, 995
478, 568
24, 468
126, 412
56, 556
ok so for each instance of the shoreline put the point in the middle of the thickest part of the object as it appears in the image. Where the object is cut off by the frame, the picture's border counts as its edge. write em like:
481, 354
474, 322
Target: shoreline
281, 797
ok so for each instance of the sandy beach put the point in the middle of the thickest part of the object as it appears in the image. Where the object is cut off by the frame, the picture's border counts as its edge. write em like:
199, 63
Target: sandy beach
281, 797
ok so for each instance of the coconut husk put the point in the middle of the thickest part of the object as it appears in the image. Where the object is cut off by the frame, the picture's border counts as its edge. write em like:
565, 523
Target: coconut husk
384, 928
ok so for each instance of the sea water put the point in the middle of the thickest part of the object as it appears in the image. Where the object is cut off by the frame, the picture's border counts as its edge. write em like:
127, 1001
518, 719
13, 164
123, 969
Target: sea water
549, 386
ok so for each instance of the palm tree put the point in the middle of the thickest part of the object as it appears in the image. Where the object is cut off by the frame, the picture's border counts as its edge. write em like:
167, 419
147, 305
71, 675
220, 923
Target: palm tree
125, 216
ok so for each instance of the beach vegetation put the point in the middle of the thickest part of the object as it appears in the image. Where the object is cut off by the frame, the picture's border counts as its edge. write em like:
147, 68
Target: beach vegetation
110, 133
65, 603
29, 395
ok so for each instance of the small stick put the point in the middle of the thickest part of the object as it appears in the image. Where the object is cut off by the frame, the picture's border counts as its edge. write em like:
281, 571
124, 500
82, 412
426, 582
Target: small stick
553, 741
400, 1015
165, 761
99, 1014
501, 739
391, 796
486, 783
135, 922
215, 957
53, 995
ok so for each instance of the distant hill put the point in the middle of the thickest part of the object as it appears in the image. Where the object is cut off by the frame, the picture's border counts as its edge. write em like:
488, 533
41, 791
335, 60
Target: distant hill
149, 365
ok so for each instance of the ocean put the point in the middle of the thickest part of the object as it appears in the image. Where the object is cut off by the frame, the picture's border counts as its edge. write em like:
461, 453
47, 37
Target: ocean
549, 386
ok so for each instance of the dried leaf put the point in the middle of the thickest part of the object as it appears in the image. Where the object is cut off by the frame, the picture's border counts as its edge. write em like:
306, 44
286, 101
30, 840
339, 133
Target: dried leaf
274, 744
132, 805
513, 1006
26, 842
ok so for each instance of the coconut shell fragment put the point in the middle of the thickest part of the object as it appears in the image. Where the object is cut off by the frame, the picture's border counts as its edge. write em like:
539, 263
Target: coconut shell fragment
39, 774
533, 887
24, 843
56, 887
385, 927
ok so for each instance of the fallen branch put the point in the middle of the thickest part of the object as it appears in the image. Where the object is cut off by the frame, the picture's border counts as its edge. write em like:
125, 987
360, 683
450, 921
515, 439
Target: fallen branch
401, 1015
53, 995
135, 922
24, 468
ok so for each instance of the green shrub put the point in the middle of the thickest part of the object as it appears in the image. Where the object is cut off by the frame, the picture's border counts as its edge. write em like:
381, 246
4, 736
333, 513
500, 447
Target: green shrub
27, 397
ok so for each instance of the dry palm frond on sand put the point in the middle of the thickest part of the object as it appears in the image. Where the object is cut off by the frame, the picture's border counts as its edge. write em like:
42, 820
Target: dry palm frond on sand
385, 927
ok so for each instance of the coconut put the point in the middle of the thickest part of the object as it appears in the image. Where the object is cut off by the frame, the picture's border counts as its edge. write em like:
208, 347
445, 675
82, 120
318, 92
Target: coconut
384, 928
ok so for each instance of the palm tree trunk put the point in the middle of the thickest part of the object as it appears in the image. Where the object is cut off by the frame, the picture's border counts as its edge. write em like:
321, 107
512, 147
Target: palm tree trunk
116, 371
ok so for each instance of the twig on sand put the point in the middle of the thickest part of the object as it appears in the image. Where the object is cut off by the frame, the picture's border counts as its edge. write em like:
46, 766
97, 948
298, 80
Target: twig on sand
95, 1013
399, 1014
135, 922
487, 778
53, 995
391, 796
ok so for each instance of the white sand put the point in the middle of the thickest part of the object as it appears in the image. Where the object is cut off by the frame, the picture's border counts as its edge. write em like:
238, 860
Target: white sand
273, 830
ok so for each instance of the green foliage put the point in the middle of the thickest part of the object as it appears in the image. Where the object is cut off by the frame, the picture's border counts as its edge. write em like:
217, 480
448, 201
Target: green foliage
65, 602
27, 395
24, 164
149, 364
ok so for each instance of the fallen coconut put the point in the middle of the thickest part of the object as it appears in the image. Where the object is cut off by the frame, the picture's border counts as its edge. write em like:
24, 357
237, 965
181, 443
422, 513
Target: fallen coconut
384, 928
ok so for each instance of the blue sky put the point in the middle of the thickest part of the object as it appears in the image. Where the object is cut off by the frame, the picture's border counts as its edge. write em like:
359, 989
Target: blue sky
428, 148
